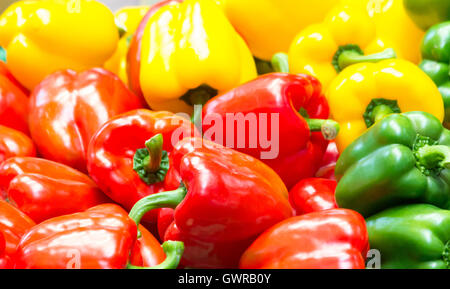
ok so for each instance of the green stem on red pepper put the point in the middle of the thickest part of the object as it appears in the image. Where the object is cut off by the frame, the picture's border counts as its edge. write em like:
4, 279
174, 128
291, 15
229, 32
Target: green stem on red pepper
328, 127
173, 250
151, 163
169, 199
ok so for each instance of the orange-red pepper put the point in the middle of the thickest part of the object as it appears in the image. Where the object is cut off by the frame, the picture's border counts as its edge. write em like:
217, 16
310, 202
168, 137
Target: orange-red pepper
43, 189
225, 201
332, 239
114, 149
13, 225
102, 237
313, 195
67, 108
15, 143
13, 101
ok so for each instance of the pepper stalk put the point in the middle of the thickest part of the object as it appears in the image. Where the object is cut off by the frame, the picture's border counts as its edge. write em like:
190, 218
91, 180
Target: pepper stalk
152, 162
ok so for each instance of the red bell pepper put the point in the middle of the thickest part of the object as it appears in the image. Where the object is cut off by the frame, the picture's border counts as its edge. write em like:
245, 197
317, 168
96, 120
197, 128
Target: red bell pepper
147, 251
101, 237
328, 163
119, 153
13, 225
289, 108
5, 260
313, 195
332, 239
15, 143
13, 102
67, 108
4, 71
225, 201
165, 219
43, 189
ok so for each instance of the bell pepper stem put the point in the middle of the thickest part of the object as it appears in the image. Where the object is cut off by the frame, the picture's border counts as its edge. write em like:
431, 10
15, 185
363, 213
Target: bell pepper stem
434, 156
169, 199
328, 127
350, 57
174, 251
155, 148
379, 108
152, 162
280, 62
380, 112
196, 117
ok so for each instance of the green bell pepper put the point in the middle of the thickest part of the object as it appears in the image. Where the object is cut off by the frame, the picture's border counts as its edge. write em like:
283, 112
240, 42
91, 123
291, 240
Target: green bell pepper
411, 237
403, 158
2, 54
426, 13
436, 61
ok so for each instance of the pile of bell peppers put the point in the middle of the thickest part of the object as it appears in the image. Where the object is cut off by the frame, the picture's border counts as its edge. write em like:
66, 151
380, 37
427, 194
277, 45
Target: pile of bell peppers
223, 134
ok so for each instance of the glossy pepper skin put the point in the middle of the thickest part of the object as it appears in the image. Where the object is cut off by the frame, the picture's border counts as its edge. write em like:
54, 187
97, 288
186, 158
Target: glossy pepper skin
5, 260
426, 13
42, 37
328, 163
364, 93
147, 251
72, 242
304, 242
192, 54
215, 212
281, 102
15, 143
350, 30
313, 195
436, 61
165, 219
112, 150
401, 159
44, 189
13, 225
413, 236
67, 108
5, 72
127, 19
13, 101
279, 19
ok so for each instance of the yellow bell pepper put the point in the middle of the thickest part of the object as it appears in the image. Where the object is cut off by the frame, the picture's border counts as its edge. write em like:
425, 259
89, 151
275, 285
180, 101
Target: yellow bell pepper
127, 19
364, 93
187, 53
44, 36
269, 26
355, 27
